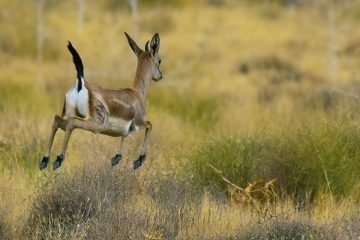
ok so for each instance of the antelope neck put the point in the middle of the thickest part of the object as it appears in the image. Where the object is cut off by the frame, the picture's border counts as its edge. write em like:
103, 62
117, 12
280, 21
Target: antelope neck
142, 77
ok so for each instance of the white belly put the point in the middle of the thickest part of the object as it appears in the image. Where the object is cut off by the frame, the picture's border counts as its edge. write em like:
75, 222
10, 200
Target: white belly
119, 123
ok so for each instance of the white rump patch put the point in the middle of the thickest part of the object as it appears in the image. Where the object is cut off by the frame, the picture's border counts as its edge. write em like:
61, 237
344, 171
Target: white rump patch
82, 102
79, 101
70, 102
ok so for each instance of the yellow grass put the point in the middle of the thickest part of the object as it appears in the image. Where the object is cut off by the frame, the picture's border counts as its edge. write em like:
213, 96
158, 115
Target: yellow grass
203, 95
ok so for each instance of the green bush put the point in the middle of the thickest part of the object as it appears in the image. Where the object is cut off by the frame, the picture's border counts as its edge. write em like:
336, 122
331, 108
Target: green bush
299, 158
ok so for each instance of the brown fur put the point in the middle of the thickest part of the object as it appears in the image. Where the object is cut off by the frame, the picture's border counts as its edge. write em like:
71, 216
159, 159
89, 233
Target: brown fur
125, 103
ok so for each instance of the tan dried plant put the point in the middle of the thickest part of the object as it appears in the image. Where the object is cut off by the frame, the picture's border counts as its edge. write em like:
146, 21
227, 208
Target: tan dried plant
257, 195
154, 236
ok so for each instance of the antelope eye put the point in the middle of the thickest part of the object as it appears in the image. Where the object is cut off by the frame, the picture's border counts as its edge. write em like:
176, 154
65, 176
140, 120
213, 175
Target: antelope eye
159, 61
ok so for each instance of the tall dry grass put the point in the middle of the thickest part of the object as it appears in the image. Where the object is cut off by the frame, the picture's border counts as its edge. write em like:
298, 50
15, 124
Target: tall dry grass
246, 88
97, 203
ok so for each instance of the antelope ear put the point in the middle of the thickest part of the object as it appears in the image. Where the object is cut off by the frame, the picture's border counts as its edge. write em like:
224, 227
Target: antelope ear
147, 47
133, 45
155, 44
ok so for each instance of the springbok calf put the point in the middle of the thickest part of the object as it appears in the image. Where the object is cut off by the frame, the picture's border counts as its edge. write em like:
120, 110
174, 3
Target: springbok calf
114, 113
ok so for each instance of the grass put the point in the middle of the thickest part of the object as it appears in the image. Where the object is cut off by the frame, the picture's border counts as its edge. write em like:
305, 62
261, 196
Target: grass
74, 201
82, 205
298, 158
199, 111
246, 89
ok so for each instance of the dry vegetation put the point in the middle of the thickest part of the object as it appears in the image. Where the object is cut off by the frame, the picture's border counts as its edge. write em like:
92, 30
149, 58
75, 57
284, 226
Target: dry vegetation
252, 92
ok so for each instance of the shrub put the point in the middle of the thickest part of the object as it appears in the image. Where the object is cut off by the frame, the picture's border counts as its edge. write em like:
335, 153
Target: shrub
301, 158
74, 200
3, 226
103, 203
289, 229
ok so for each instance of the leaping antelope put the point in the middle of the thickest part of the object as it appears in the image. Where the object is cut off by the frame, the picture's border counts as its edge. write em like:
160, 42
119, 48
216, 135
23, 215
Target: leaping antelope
115, 113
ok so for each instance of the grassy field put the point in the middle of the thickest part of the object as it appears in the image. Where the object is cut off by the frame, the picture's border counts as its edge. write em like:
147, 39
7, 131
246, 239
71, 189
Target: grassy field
251, 92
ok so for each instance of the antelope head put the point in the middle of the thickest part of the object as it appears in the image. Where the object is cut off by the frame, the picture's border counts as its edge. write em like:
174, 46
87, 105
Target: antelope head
149, 58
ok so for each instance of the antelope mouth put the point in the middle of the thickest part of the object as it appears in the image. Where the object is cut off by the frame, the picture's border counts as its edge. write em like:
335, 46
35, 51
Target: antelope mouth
157, 79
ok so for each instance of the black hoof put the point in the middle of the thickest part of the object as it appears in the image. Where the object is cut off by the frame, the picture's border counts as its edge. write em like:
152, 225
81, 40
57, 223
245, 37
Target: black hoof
43, 163
139, 162
116, 159
58, 161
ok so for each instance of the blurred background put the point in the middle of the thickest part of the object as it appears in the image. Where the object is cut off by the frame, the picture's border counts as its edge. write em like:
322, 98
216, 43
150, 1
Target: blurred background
259, 89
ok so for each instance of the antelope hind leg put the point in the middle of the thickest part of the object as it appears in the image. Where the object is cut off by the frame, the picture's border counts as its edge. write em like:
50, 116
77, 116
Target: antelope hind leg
72, 124
58, 122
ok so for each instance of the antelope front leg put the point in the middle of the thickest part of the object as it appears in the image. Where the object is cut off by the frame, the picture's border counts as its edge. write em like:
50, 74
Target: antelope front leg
115, 160
142, 157
58, 122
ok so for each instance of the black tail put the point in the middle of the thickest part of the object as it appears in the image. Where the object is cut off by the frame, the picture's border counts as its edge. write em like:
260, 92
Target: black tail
78, 64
